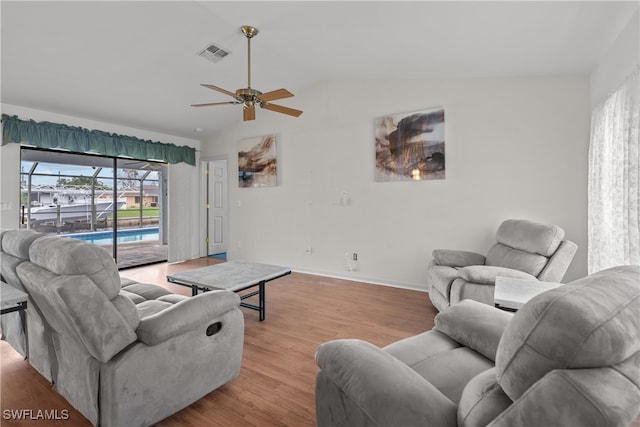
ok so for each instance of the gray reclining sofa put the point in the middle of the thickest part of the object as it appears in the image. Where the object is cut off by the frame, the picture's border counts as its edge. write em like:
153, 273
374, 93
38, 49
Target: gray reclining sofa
122, 353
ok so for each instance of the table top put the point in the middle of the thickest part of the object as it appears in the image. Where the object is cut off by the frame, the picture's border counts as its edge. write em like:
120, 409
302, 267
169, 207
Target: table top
231, 275
10, 296
514, 293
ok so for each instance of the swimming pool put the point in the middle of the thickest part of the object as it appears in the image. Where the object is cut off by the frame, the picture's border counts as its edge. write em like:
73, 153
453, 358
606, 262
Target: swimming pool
124, 236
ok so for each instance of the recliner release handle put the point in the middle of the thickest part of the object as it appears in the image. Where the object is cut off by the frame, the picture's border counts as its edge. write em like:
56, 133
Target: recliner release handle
214, 328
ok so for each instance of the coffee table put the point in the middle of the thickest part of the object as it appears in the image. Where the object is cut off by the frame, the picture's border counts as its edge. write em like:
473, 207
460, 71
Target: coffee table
232, 276
511, 294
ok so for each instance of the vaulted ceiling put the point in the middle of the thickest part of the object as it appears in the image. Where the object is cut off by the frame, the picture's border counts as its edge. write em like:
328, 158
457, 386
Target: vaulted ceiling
135, 63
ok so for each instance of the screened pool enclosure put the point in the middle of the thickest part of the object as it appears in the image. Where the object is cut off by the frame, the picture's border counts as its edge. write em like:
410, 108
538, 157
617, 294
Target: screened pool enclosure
113, 202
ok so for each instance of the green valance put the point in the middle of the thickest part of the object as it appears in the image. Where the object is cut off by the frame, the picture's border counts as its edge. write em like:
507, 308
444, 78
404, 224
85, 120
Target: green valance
80, 140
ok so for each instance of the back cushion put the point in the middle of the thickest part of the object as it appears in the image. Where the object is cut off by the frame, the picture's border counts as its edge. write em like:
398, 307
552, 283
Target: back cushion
15, 246
18, 242
66, 256
503, 256
524, 245
530, 236
72, 304
591, 322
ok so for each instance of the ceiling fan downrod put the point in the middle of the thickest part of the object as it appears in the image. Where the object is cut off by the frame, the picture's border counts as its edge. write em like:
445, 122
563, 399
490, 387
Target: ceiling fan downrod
249, 33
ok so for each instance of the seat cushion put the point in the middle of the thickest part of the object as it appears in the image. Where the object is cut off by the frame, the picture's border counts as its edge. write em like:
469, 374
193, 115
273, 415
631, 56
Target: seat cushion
149, 299
451, 370
415, 349
591, 322
487, 274
145, 291
151, 307
440, 360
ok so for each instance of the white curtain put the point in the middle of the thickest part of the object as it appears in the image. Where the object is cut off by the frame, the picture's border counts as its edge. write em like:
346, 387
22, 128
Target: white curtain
614, 174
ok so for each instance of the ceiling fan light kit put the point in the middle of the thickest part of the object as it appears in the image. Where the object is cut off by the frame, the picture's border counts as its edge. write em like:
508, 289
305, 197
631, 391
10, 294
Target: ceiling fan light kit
250, 97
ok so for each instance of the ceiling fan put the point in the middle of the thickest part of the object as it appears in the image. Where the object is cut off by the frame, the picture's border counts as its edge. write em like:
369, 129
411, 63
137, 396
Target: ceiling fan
250, 97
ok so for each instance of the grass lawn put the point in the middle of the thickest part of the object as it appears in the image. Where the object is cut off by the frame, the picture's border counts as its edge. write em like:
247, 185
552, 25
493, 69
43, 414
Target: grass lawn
135, 212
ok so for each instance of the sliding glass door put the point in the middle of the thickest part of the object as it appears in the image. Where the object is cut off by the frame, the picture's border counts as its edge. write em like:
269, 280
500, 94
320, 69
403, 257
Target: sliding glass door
139, 226
115, 203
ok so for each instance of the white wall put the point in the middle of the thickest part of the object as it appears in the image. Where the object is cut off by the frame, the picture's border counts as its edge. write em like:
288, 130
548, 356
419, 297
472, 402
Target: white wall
183, 235
618, 62
515, 148
9, 186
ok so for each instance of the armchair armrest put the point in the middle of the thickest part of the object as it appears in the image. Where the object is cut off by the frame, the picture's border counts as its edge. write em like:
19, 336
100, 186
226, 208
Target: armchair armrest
474, 325
454, 258
486, 274
381, 386
185, 315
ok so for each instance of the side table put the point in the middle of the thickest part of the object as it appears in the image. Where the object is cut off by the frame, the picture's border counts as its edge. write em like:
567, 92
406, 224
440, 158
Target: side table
511, 294
12, 299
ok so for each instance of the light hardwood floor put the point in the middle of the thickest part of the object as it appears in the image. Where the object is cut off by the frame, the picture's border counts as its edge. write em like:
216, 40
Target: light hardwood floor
276, 382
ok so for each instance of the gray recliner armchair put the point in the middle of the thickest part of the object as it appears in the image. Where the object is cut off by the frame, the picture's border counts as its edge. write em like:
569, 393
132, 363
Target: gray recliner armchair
122, 353
524, 249
569, 357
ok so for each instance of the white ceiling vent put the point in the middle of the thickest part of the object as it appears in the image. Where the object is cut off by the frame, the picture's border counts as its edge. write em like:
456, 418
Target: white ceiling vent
213, 53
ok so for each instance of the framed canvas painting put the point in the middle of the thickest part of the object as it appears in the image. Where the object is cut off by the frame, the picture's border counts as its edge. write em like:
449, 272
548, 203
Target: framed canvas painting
257, 162
410, 146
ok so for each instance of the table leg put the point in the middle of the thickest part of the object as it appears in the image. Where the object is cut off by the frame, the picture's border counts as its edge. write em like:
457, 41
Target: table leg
262, 301
21, 308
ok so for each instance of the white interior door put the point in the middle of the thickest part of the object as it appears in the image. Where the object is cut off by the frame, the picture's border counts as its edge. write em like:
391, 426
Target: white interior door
217, 209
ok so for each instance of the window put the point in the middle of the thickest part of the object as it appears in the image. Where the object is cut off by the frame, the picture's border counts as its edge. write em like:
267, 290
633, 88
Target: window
614, 177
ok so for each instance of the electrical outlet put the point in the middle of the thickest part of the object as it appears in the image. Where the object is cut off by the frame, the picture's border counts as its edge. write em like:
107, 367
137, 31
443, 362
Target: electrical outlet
351, 261
309, 250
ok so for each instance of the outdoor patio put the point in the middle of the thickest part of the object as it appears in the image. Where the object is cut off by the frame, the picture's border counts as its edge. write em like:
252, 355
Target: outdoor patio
134, 254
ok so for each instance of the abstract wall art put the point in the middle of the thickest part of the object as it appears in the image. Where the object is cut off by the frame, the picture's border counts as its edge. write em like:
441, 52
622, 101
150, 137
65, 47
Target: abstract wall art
257, 162
410, 146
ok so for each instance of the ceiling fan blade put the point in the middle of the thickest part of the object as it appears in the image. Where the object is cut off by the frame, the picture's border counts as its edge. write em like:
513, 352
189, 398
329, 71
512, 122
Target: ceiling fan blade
274, 94
213, 103
218, 89
249, 113
281, 109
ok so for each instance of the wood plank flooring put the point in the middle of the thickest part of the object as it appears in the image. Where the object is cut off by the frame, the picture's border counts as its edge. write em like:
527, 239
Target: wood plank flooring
276, 382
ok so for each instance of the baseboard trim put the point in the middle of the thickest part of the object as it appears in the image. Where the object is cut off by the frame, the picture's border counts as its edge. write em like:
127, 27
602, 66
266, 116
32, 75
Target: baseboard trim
368, 280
